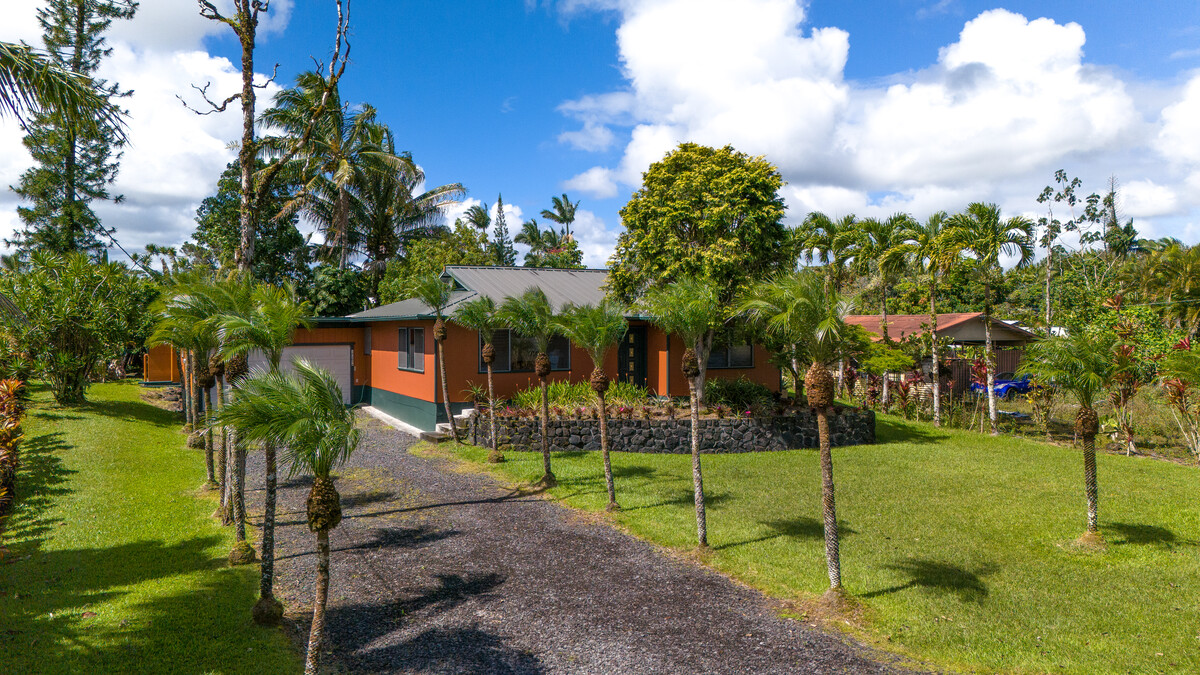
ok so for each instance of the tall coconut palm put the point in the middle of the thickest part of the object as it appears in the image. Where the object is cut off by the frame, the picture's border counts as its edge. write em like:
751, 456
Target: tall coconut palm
339, 150
303, 413
877, 238
597, 329
981, 233
563, 213
479, 217
30, 82
690, 308
431, 290
1080, 363
925, 247
802, 309
268, 329
531, 315
481, 315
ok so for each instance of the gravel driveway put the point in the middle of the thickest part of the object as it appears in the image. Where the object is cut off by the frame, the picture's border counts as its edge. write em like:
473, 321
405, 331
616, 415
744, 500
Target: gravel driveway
437, 571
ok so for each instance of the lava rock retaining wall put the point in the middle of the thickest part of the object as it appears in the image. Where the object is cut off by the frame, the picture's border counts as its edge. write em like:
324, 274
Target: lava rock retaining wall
847, 426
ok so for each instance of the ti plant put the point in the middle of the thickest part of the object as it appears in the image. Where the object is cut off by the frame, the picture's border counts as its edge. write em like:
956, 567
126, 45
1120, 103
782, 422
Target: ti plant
1180, 372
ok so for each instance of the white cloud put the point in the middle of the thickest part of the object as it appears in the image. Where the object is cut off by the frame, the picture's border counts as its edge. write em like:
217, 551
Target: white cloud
595, 240
597, 182
1146, 199
1179, 136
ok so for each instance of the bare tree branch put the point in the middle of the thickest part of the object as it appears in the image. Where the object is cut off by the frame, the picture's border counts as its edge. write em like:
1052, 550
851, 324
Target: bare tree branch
210, 12
216, 107
269, 80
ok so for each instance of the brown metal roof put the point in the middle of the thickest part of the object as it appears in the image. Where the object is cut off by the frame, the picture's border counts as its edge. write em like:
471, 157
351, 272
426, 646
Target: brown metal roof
903, 325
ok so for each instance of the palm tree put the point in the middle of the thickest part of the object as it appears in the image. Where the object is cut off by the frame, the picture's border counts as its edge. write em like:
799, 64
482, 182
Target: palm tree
1082, 364
530, 315
690, 308
268, 328
387, 209
980, 232
563, 213
597, 329
833, 243
431, 290
478, 216
30, 83
877, 238
481, 315
337, 154
925, 247
303, 413
800, 309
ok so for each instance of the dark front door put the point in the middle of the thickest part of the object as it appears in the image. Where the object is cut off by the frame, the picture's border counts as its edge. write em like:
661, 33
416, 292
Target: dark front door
631, 361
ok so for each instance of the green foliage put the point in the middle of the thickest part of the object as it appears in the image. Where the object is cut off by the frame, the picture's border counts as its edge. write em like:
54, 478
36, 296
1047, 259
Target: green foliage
80, 313
690, 308
574, 395
881, 358
802, 315
702, 212
501, 248
266, 324
740, 394
481, 315
74, 164
337, 292
464, 245
1079, 363
1139, 326
594, 328
531, 315
281, 253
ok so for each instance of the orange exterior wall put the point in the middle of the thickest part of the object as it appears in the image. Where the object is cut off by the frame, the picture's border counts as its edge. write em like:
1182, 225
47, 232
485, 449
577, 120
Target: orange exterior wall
160, 364
320, 335
385, 354
763, 372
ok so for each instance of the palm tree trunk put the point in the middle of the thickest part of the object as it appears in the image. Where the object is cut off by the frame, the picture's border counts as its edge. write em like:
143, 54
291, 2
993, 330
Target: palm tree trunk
343, 226
828, 505
989, 361
548, 477
884, 331
209, 468
495, 456
797, 377
445, 391
1089, 481
697, 476
223, 457
266, 582
937, 369
239, 488
322, 593
608, 474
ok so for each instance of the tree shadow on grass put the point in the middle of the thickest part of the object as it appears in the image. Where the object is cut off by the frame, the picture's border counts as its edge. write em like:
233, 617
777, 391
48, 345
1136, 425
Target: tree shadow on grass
899, 431
133, 411
685, 498
801, 527
629, 472
1145, 535
940, 576
40, 481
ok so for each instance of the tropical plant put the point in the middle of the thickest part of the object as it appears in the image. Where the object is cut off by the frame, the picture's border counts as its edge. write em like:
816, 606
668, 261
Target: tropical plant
531, 315
833, 243
1180, 374
597, 329
1082, 365
482, 316
303, 413
877, 237
924, 246
981, 233
562, 212
33, 83
435, 293
548, 248
690, 308
12, 411
740, 393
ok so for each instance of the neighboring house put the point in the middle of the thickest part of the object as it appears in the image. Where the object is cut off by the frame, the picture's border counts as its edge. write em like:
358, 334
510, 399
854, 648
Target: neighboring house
386, 356
963, 329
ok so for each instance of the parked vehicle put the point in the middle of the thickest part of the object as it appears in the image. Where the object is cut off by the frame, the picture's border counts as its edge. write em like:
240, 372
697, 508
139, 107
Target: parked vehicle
1007, 386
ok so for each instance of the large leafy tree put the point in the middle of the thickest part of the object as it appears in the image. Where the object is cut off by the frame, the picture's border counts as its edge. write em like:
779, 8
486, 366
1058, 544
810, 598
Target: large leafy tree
303, 413
434, 292
74, 164
597, 329
981, 233
692, 309
284, 253
78, 314
703, 212
430, 253
532, 316
1082, 364
482, 315
268, 328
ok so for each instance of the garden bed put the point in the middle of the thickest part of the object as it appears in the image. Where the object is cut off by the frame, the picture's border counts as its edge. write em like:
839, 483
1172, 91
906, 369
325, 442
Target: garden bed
795, 429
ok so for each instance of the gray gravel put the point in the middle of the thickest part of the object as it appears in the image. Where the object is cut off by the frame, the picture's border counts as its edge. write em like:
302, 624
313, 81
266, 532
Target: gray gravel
438, 571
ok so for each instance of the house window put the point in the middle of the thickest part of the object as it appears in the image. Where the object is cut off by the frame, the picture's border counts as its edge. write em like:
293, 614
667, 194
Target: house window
412, 349
516, 353
731, 356
367, 340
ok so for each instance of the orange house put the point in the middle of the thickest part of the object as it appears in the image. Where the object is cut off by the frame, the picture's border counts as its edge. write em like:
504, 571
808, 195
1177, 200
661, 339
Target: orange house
386, 356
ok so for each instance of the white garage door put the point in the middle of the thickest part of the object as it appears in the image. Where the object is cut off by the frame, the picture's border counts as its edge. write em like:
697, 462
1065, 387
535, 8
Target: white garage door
337, 359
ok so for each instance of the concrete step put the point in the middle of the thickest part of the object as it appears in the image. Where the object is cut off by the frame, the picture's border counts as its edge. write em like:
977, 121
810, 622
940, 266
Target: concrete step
436, 436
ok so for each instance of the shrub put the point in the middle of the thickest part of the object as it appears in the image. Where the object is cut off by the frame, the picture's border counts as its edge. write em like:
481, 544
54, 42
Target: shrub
739, 394
12, 410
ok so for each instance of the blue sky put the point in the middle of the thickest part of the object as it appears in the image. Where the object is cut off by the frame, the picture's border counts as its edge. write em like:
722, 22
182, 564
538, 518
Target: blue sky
866, 107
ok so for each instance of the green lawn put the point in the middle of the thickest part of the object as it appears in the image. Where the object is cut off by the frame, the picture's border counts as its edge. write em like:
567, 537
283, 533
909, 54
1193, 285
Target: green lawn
959, 545
114, 564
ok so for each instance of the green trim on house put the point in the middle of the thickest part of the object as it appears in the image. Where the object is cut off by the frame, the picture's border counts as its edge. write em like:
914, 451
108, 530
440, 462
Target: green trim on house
360, 394
421, 414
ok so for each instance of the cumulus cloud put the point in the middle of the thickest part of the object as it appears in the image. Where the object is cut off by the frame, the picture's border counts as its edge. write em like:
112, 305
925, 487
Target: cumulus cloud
1002, 107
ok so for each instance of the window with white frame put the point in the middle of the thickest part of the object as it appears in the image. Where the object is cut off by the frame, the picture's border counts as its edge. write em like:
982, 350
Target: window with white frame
412, 349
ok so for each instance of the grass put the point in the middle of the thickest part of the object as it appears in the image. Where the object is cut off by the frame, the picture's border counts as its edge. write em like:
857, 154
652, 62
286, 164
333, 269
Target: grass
959, 546
113, 563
